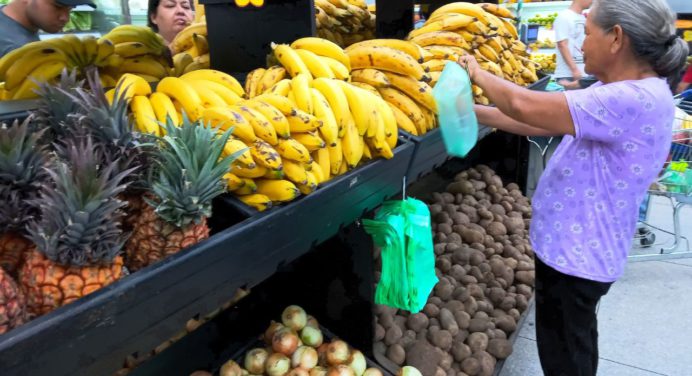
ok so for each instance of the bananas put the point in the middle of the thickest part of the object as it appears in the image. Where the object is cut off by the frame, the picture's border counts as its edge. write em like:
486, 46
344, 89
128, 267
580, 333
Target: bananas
388, 59
344, 22
484, 30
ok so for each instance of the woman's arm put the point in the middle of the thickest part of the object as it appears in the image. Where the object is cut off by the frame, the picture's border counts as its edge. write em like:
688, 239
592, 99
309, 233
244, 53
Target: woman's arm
492, 117
546, 111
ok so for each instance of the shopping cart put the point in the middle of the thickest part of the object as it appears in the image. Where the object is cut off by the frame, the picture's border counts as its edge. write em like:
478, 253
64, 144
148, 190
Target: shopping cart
674, 183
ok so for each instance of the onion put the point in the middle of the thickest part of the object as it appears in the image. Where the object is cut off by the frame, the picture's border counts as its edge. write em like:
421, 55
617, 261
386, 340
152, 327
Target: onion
201, 373
357, 363
322, 354
311, 336
254, 361
340, 370
294, 317
230, 368
298, 372
269, 333
338, 353
372, 372
312, 322
318, 371
408, 371
285, 341
277, 365
304, 357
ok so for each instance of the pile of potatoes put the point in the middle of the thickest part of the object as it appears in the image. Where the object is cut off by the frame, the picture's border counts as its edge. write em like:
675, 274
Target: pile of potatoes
486, 271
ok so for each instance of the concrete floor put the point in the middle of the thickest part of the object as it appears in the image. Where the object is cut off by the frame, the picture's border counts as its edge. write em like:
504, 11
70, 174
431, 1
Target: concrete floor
645, 321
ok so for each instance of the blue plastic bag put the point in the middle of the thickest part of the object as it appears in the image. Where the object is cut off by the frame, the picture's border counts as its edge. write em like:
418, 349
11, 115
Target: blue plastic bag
454, 99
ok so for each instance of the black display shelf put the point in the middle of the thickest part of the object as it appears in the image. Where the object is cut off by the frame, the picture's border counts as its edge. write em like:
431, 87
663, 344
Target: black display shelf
11, 110
94, 335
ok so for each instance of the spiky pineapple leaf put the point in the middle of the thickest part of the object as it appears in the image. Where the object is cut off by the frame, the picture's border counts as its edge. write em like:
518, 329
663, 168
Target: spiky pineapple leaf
22, 158
189, 171
81, 214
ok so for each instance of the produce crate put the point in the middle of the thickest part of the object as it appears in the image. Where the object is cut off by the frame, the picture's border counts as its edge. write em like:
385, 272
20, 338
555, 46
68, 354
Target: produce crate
237, 330
10, 110
93, 335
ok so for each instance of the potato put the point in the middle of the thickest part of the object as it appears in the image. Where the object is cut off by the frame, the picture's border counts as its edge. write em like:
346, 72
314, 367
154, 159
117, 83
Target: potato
449, 198
448, 323
478, 185
481, 315
500, 348
487, 363
514, 313
462, 318
407, 339
507, 205
441, 217
392, 335
434, 324
461, 256
444, 264
386, 320
439, 249
445, 228
457, 271
471, 366
442, 339
523, 266
460, 219
444, 291
526, 277
461, 336
522, 303
500, 334
506, 323
379, 332
471, 236
446, 360
477, 342
496, 295
440, 372
418, 321
435, 300
497, 313
496, 229
460, 294
470, 211
460, 351
478, 325
400, 321
454, 238
471, 306
475, 290
431, 310
485, 306
450, 248
508, 303
379, 348
434, 209
462, 186
474, 174
454, 305
514, 225
396, 354
440, 237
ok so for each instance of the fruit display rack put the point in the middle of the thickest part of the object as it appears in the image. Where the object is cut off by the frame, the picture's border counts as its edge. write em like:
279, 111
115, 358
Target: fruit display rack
136, 314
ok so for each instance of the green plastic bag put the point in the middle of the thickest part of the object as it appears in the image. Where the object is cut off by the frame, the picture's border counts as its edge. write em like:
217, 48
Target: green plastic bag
402, 229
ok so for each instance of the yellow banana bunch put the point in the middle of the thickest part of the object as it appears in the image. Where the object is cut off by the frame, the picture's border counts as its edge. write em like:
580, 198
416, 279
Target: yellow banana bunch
184, 40
388, 59
277, 190
344, 22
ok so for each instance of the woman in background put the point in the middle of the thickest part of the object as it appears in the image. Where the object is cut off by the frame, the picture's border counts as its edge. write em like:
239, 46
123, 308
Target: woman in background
169, 17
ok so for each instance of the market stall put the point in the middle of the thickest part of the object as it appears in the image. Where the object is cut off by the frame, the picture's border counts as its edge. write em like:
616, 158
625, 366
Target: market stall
307, 247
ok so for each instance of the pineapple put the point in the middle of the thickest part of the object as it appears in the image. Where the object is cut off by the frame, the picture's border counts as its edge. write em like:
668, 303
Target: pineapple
113, 131
188, 175
22, 159
12, 303
56, 103
78, 237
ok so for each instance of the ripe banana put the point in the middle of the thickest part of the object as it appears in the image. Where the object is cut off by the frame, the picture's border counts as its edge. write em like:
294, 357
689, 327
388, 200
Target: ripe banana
340, 71
371, 77
11, 57
132, 49
26, 64
323, 111
321, 157
290, 59
144, 64
164, 108
281, 88
262, 127
420, 92
248, 173
143, 113
218, 77
386, 58
233, 182
407, 47
440, 38
252, 81
323, 47
130, 85
273, 115
366, 87
403, 120
282, 103
301, 122
316, 170
258, 201
243, 156
226, 94
201, 43
295, 171
293, 150
209, 97
337, 101
225, 118
497, 10
435, 65
44, 73
300, 85
277, 190
183, 40
249, 187
352, 145
180, 90
364, 113
311, 140
509, 27
271, 77
265, 155
336, 157
447, 22
310, 185
407, 105
468, 9
317, 66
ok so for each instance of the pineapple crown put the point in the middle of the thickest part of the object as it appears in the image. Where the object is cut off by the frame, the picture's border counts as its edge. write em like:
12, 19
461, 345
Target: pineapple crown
111, 129
22, 158
189, 172
56, 104
80, 214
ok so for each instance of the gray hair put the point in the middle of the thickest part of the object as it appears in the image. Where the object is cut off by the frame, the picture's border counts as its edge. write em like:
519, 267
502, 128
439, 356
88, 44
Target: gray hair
650, 26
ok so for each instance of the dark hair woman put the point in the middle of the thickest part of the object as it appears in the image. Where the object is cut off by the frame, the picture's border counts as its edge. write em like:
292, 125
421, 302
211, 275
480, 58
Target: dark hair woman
169, 17
617, 135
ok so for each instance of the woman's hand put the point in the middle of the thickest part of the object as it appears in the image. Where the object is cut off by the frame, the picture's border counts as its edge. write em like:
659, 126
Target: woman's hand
469, 63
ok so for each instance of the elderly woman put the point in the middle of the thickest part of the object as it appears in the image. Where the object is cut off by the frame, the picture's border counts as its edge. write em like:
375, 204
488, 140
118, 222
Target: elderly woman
617, 134
169, 17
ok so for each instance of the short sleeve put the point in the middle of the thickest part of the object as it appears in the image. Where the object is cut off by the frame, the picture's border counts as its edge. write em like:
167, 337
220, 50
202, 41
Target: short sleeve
561, 25
600, 111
